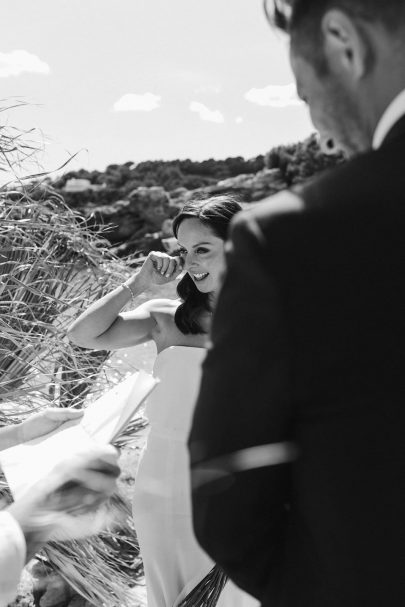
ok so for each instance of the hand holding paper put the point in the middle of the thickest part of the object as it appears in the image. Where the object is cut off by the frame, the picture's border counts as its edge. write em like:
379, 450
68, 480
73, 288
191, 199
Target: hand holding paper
45, 422
102, 421
65, 503
60, 480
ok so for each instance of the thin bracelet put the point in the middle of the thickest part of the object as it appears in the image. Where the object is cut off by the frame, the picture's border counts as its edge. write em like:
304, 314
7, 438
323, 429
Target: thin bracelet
124, 284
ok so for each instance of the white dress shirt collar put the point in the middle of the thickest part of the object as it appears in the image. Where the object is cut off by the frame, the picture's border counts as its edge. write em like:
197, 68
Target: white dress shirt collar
392, 114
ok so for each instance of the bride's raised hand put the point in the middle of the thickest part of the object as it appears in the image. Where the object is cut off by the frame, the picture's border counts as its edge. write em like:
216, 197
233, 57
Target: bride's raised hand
160, 268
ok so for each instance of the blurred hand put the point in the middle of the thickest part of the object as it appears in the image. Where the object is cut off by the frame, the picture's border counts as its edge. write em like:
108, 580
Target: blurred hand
46, 421
55, 507
159, 269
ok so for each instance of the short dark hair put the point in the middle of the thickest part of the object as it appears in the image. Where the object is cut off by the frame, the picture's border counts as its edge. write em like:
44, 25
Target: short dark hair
216, 213
291, 15
301, 20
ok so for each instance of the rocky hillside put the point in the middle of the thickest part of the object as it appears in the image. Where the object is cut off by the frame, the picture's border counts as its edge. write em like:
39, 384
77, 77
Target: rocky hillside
137, 202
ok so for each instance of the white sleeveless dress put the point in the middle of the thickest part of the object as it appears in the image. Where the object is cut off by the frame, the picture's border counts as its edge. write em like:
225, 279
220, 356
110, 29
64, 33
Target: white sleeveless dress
173, 560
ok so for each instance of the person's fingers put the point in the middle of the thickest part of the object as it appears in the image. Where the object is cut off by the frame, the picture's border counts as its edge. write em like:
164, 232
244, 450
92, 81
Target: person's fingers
179, 265
169, 267
62, 415
165, 266
88, 489
92, 481
105, 463
103, 459
98, 459
76, 500
76, 487
156, 261
85, 481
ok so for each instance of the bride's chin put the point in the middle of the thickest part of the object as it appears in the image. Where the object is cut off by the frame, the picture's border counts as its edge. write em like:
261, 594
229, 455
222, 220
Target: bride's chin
201, 288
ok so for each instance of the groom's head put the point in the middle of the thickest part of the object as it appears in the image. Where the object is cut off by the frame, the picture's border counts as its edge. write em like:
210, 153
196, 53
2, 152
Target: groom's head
348, 57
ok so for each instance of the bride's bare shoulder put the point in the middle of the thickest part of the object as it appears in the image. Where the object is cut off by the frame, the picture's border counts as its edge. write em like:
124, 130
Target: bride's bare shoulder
161, 307
166, 332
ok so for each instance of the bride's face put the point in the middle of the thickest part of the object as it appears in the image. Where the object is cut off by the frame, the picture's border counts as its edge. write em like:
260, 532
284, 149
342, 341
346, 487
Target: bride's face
203, 254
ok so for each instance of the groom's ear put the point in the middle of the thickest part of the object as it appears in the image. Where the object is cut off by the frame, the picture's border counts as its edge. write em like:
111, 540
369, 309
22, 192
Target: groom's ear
346, 46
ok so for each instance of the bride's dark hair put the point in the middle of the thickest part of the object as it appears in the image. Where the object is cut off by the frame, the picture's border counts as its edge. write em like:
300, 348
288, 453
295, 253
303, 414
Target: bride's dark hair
216, 213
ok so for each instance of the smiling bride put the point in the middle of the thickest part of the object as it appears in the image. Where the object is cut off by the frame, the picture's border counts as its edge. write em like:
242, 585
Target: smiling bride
174, 562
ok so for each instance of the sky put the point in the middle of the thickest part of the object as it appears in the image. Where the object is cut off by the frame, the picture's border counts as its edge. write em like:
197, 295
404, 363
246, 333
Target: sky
113, 81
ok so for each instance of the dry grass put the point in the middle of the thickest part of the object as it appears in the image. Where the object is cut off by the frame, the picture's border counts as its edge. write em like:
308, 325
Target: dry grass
51, 267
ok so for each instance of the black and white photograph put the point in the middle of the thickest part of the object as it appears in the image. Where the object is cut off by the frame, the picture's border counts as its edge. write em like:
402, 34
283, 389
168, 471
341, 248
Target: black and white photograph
202, 303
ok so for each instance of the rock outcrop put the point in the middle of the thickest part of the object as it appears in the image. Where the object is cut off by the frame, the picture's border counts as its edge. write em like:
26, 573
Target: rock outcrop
249, 187
132, 223
138, 224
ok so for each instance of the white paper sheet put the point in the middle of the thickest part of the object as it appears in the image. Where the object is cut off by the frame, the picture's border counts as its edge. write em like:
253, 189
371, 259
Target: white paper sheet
24, 465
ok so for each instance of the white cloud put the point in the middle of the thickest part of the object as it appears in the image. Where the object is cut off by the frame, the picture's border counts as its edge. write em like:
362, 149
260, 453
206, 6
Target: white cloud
239, 120
274, 96
17, 62
205, 113
133, 102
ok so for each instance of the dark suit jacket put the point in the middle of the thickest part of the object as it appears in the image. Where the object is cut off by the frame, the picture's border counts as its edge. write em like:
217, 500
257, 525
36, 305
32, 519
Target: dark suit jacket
308, 346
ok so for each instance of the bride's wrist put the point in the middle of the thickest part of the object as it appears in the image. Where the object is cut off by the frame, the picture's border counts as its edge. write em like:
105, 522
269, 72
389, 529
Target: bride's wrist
134, 287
